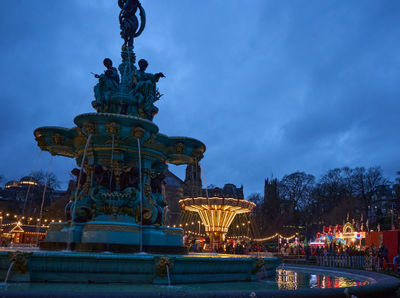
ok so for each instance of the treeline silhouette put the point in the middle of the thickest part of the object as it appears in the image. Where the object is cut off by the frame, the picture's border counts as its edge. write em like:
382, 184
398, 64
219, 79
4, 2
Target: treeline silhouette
299, 202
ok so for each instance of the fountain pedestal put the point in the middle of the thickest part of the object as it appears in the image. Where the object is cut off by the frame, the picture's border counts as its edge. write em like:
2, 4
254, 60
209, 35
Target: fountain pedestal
121, 183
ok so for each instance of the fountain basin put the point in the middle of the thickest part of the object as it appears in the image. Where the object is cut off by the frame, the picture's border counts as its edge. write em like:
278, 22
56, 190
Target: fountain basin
293, 280
83, 267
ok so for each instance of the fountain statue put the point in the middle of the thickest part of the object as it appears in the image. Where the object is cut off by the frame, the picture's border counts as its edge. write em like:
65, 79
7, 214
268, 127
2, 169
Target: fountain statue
118, 203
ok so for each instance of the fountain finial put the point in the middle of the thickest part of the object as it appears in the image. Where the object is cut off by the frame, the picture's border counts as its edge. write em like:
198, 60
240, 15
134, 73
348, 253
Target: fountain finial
128, 21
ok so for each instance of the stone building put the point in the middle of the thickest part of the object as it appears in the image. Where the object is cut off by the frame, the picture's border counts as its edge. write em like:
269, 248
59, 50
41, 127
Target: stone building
25, 196
173, 192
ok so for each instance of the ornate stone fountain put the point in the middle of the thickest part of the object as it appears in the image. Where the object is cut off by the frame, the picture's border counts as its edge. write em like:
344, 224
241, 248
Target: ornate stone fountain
117, 208
118, 204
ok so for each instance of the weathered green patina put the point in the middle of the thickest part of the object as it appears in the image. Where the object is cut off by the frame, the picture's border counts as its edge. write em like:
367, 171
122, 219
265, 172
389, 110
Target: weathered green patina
120, 182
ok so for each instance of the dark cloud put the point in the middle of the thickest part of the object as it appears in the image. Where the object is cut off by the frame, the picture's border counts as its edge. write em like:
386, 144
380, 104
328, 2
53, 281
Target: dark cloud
270, 87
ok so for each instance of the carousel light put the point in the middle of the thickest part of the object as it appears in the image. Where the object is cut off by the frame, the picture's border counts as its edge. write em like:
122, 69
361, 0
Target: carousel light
216, 213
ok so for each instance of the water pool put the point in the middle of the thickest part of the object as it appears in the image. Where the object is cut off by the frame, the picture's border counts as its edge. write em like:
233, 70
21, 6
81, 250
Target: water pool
287, 278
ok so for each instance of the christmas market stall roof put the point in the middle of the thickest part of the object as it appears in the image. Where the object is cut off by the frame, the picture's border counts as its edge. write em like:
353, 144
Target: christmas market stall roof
21, 228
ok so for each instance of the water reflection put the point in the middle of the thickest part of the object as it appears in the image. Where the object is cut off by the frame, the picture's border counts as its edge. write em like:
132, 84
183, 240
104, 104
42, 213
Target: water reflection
292, 280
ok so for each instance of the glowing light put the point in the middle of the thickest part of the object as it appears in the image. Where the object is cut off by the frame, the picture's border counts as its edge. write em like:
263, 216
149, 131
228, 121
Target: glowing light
216, 214
274, 236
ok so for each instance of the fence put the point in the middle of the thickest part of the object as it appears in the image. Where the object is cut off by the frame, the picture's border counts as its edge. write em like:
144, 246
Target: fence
359, 262
262, 254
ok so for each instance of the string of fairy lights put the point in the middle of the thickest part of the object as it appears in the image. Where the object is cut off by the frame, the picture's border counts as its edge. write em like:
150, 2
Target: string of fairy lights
277, 235
20, 218
187, 227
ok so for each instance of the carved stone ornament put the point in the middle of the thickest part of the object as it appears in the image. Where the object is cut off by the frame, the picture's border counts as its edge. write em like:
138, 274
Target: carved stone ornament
179, 148
138, 132
113, 128
162, 264
20, 261
58, 139
90, 128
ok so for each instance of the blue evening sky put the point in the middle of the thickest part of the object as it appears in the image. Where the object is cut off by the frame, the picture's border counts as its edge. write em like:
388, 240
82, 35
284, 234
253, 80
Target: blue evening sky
271, 87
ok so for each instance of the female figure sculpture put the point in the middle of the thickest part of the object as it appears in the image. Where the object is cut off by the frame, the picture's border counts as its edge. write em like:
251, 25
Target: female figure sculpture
128, 21
146, 90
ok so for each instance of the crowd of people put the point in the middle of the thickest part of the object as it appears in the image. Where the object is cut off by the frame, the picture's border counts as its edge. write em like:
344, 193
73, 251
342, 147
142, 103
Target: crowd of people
230, 246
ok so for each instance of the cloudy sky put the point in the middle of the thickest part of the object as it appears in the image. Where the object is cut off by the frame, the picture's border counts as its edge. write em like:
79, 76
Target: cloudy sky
271, 87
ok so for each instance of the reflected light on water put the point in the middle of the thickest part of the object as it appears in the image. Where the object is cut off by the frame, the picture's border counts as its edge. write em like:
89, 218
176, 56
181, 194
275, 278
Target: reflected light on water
291, 280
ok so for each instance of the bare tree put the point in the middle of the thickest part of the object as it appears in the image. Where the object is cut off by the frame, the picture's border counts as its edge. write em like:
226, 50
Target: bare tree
297, 188
40, 177
366, 183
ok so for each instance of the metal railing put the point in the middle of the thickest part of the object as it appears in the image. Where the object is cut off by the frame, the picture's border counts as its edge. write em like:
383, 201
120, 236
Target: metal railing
359, 262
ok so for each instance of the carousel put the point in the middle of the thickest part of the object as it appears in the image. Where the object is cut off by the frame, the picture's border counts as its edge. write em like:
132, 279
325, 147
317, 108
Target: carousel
217, 214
